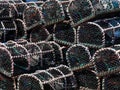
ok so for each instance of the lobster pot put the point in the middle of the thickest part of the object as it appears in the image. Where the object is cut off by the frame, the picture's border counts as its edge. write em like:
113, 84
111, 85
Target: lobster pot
22, 42
20, 7
45, 79
58, 52
34, 52
80, 11
52, 12
97, 34
111, 83
70, 83
28, 81
32, 17
21, 29
78, 57
64, 34
9, 30
106, 61
21, 59
39, 34
87, 80
83, 10
111, 28
48, 55
7, 83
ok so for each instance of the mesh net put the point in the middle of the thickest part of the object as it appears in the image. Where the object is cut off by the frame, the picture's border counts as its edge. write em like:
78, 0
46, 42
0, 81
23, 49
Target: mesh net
91, 35
39, 34
34, 52
64, 34
6, 62
6, 83
58, 53
52, 12
21, 32
20, 9
106, 61
5, 10
29, 82
9, 28
78, 56
87, 80
70, 81
48, 57
32, 17
52, 78
112, 82
79, 11
20, 56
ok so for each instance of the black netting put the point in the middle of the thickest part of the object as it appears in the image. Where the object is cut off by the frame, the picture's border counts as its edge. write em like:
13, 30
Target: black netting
20, 56
78, 56
6, 83
6, 62
65, 34
58, 53
21, 32
34, 52
32, 17
52, 12
39, 34
91, 35
52, 79
112, 82
106, 60
80, 10
87, 80
20, 9
48, 57
29, 83
5, 10
10, 30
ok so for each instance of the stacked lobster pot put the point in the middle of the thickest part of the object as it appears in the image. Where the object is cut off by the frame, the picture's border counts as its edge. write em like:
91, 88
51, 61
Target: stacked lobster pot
33, 18
19, 59
50, 55
81, 11
99, 34
107, 65
112, 81
79, 60
65, 35
56, 78
9, 25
